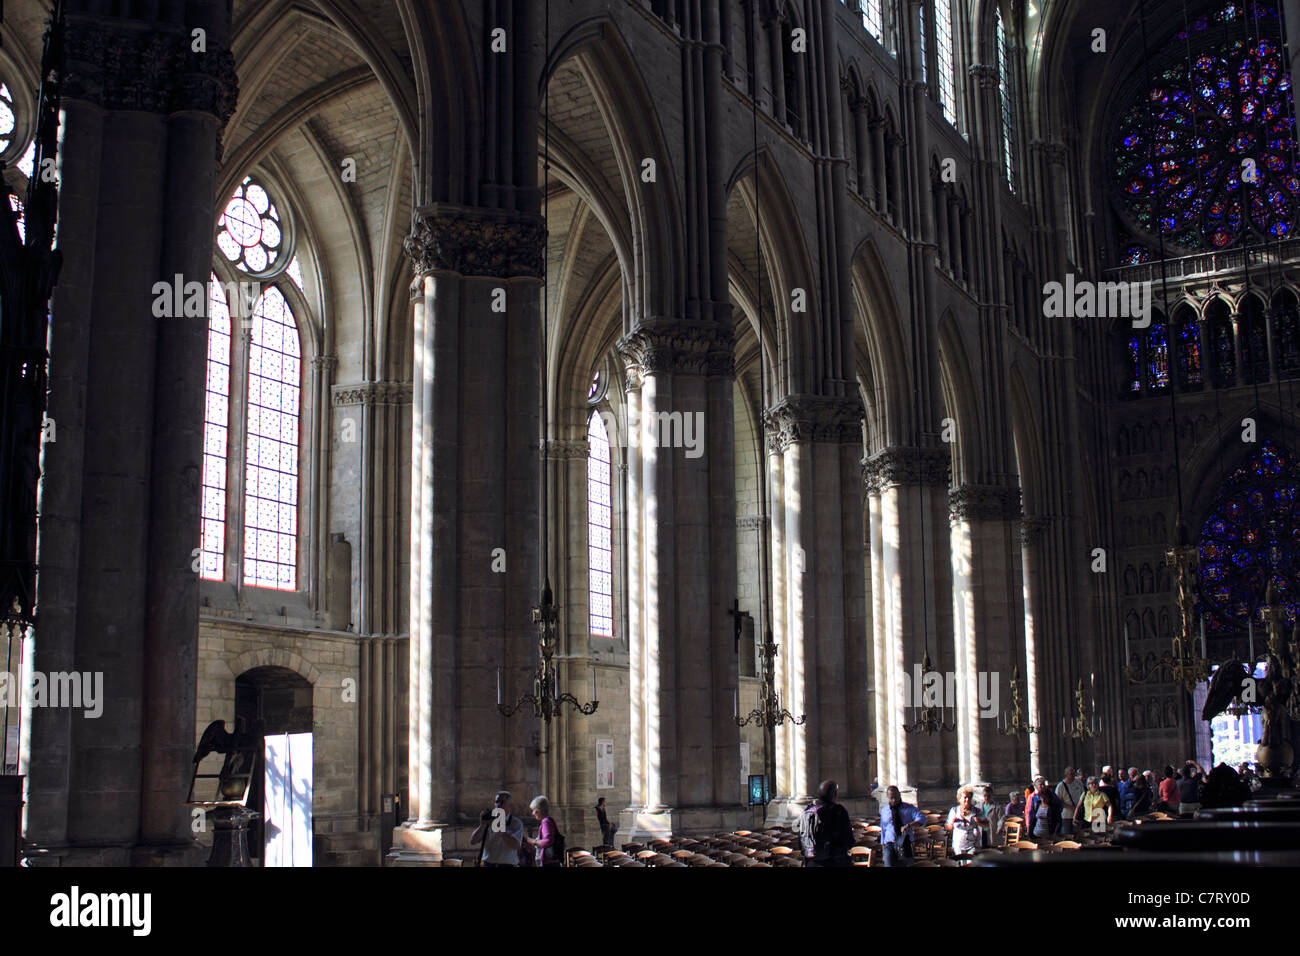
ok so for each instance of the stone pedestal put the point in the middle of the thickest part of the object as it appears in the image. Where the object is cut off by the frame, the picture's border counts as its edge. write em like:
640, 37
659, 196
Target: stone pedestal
230, 836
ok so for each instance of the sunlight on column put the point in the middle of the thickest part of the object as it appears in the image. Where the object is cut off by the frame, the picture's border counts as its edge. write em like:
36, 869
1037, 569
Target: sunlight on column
792, 652
652, 455
1031, 683
892, 557
879, 638
635, 603
967, 655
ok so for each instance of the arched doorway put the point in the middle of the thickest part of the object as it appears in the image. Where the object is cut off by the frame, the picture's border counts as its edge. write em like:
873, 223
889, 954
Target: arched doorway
276, 703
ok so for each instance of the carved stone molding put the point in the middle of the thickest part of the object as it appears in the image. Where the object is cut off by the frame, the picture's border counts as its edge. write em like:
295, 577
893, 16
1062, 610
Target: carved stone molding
1032, 528
801, 418
560, 449
681, 348
984, 503
903, 465
155, 71
325, 363
372, 393
476, 242
751, 522
984, 74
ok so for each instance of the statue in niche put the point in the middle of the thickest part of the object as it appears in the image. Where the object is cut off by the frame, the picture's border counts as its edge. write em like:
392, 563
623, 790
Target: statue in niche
1171, 713
1153, 711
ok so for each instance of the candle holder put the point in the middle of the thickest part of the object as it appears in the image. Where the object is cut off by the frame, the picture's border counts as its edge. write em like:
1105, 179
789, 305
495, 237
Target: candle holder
1083, 729
769, 712
929, 719
1017, 725
545, 698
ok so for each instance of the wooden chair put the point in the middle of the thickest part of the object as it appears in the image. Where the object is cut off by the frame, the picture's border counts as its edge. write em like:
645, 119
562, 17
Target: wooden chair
453, 862
1011, 830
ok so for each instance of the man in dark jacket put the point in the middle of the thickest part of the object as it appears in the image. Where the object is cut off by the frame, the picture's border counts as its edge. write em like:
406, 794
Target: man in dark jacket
825, 831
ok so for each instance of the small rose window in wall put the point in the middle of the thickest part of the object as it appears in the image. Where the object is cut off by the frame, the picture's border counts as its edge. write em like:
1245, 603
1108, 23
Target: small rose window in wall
249, 233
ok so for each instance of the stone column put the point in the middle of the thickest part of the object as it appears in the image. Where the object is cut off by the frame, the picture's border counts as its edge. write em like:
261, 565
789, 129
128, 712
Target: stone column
119, 513
988, 626
916, 602
822, 661
685, 745
475, 472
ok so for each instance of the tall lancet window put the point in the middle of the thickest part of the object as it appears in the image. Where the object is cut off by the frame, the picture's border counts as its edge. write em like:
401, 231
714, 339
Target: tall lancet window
271, 465
925, 67
216, 428
1005, 87
943, 52
600, 524
872, 19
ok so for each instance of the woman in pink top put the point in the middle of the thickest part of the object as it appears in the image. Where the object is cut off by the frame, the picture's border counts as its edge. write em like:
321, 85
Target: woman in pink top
544, 844
1169, 792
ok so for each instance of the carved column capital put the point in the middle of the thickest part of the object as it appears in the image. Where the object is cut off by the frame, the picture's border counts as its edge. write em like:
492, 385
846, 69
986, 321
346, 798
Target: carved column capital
372, 393
562, 449
903, 465
680, 348
984, 503
476, 242
118, 67
325, 363
801, 418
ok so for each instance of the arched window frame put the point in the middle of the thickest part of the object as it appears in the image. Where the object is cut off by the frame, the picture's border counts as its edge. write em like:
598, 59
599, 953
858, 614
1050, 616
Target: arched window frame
600, 527
945, 59
270, 600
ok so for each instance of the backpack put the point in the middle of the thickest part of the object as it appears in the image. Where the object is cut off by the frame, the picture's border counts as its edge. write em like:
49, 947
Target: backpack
557, 847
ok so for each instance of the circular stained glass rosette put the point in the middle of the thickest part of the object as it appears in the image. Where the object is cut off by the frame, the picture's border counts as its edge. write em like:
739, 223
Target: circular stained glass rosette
1205, 153
249, 234
1251, 539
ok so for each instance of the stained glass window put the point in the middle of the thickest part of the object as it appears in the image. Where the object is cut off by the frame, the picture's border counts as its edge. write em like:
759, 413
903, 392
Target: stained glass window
1004, 93
943, 53
1135, 364
600, 544
925, 72
294, 271
1135, 254
1205, 153
249, 233
1189, 349
1286, 332
1158, 355
1254, 341
1252, 538
216, 427
271, 465
1225, 359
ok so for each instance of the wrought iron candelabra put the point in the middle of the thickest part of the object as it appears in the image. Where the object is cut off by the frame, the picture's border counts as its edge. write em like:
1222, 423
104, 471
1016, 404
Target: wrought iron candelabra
545, 698
1184, 666
929, 719
1017, 725
769, 712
